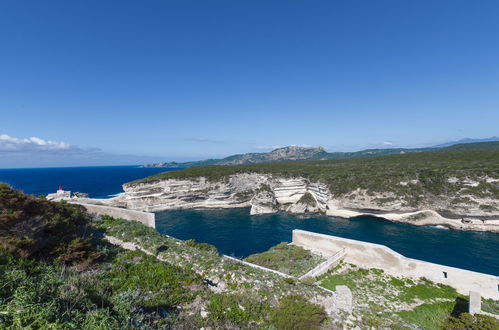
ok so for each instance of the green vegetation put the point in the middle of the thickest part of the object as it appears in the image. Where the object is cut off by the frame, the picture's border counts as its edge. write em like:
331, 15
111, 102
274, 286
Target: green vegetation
236, 309
426, 174
292, 153
487, 208
490, 306
467, 321
289, 259
429, 316
295, 312
244, 195
34, 227
57, 271
307, 199
202, 246
384, 301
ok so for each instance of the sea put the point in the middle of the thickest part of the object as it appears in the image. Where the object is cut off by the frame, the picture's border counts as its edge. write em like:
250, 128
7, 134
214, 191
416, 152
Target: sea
236, 232
96, 181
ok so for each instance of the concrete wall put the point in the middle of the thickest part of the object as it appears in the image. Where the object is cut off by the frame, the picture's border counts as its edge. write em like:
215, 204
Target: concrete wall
369, 255
256, 266
326, 265
148, 219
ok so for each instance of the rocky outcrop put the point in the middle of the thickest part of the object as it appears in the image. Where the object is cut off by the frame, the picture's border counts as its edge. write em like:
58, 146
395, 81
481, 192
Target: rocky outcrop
266, 193
264, 202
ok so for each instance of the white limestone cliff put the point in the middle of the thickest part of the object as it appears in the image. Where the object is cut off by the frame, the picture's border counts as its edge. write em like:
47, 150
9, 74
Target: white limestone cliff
265, 193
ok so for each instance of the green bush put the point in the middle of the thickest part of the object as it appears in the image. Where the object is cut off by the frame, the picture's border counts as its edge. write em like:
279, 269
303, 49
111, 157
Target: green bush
289, 259
159, 284
295, 312
308, 199
35, 227
202, 246
467, 321
235, 308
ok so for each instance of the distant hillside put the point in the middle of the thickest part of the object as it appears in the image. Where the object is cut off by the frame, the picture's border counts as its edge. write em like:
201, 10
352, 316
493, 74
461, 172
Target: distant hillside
286, 154
296, 153
467, 141
413, 179
474, 146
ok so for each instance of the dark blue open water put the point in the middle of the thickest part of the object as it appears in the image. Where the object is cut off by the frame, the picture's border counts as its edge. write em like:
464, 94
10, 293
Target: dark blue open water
236, 232
98, 181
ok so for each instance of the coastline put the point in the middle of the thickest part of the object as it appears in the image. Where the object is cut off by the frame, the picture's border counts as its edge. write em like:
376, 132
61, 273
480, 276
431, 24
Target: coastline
417, 218
431, 218
267, 194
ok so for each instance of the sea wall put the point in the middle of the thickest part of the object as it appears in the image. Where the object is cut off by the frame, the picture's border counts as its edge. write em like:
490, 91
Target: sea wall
369, 255
148, 219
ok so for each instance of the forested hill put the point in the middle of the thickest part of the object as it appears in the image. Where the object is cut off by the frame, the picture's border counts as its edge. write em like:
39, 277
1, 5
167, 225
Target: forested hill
443, 172
296, 153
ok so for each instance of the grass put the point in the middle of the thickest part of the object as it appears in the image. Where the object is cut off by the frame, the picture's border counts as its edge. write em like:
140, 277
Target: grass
289, 259
382, 300
490, 306
61, 273
295, 312
429, 316
427, 290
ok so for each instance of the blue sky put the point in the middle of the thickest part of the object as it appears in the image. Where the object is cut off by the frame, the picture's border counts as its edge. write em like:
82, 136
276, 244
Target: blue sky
137, 81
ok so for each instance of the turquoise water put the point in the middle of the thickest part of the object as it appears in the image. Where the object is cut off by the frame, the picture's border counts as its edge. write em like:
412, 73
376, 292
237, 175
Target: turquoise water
235, 232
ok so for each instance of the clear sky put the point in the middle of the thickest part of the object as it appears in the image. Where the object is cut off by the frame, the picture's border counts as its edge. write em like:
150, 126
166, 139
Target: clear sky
178, 80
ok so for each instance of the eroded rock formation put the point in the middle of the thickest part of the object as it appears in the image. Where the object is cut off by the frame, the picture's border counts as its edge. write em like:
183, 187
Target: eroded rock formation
265, 193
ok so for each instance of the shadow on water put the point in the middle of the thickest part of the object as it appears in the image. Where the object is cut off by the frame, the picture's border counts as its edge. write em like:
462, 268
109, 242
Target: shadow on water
235, 232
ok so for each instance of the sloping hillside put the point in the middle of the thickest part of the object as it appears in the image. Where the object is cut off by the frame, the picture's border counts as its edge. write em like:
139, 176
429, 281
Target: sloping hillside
296, 153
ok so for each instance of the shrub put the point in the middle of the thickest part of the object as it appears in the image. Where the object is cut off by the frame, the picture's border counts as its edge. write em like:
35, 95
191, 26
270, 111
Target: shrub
307, 199
35, 227
295, 312
201, 246
289, 259
469, 321
235, 308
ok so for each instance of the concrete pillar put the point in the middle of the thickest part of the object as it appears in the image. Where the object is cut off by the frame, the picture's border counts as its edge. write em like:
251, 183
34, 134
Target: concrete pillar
475, 306
344, 298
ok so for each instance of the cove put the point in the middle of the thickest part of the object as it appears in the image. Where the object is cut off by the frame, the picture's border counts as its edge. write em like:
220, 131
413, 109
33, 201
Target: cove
235, 232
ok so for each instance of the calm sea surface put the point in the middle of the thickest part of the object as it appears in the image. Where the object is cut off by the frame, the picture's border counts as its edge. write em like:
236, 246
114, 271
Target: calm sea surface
236, 232
98, 182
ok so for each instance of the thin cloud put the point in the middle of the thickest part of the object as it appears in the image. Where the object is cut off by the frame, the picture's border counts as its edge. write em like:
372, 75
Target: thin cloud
202, 140
13, 144
267, 147
37, 152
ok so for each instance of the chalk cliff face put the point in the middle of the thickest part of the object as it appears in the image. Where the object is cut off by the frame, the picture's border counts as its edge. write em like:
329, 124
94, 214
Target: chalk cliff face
265, 193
